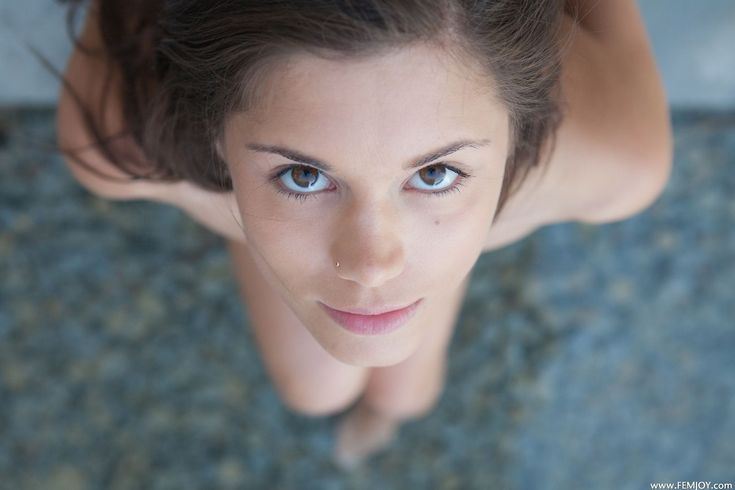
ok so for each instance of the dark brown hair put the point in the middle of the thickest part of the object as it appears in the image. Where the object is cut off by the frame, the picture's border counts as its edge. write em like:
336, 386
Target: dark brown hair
186, 65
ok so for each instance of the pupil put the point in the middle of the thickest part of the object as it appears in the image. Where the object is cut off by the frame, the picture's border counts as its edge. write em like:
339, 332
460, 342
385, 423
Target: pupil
310, 179
435, 176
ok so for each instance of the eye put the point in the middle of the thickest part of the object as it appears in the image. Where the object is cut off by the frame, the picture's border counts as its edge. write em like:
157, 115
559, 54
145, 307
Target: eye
294, 180
435, 177
298, 178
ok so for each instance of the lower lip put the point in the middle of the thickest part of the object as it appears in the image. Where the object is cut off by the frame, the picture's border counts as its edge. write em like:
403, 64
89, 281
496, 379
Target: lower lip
372, 324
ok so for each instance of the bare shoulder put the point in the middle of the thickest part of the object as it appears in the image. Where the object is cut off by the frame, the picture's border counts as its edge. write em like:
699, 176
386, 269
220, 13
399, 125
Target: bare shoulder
613, 153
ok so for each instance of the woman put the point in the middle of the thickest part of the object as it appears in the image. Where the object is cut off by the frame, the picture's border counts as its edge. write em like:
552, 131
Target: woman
360, 155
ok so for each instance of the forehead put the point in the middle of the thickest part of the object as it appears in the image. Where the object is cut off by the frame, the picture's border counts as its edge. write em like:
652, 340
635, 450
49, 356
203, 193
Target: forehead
407, 94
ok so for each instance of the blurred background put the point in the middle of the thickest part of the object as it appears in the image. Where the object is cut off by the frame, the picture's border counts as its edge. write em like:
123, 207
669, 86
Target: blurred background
587, 356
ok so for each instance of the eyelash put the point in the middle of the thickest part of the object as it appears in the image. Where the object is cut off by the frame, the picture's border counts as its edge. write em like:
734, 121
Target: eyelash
303, 196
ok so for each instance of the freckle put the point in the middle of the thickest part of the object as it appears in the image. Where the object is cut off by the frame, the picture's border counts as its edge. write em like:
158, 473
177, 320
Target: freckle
436, 222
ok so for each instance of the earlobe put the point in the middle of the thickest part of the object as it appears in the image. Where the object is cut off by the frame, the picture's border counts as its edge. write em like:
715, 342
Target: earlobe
218, 149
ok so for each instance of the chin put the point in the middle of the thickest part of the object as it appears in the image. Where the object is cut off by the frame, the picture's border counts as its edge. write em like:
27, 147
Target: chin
373, 352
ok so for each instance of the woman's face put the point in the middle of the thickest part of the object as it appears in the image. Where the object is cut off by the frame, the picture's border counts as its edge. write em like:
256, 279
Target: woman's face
360, 201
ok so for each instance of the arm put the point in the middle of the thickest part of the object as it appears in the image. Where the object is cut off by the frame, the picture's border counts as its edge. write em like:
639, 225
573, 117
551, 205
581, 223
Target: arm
216, 211
619, 130
84, 74
610, 21
614, 148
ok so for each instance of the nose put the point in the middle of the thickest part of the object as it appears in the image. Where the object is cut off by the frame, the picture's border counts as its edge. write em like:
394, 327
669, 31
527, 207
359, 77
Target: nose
369, 246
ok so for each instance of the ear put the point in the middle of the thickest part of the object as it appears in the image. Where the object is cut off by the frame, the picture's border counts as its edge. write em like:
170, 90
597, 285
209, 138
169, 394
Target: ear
218, 145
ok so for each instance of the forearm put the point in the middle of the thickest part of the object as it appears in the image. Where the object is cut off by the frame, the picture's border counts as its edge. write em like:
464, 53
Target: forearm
617, 123
218, 212
616, 21
611, 68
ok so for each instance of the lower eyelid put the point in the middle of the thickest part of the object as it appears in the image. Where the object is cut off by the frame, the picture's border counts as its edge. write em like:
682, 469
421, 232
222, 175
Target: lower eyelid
453, 188
301, 196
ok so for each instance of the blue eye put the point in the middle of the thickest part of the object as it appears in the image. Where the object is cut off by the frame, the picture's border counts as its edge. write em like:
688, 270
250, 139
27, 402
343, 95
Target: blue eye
438, 174
305, 177
302, 176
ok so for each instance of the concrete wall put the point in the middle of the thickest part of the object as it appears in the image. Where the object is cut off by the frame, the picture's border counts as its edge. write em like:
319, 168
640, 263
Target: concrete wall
693, 41
42, 23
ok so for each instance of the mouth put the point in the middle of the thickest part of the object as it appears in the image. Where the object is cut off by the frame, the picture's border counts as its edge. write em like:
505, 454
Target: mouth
375, 324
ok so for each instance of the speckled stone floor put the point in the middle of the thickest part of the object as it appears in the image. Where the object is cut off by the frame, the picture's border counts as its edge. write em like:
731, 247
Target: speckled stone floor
587, 356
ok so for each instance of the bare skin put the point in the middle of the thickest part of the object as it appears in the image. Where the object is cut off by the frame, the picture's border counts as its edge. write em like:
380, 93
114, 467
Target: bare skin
319, 370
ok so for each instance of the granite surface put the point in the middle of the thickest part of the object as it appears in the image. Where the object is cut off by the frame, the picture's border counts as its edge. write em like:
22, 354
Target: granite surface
587, 356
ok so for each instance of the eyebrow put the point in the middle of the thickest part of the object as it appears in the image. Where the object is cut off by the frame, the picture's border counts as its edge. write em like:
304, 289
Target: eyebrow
416, 162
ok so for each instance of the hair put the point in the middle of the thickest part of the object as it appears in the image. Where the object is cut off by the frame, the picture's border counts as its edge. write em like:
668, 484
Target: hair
187, 65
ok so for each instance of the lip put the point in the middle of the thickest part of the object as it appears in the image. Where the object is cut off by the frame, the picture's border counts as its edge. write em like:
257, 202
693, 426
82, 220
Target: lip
380, 324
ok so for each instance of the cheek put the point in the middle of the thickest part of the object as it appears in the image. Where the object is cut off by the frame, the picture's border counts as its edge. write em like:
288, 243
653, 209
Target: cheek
472, 218
285, 233
450, 244
293, 249
442, 242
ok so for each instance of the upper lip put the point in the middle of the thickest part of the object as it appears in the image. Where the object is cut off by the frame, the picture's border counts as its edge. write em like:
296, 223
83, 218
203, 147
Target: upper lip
375, 310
